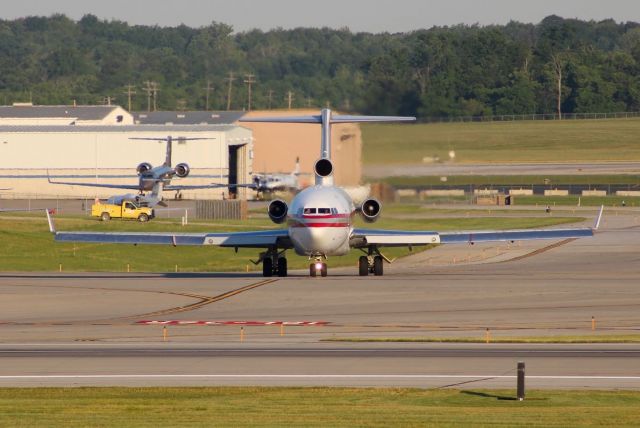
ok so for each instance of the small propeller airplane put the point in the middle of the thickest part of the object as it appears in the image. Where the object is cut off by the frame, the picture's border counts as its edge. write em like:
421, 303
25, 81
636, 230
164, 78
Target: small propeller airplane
150, 179
320, 221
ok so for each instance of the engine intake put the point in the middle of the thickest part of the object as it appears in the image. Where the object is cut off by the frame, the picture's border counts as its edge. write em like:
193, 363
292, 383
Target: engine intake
370, 210
182, 170
323, 167
278, 211
143, 167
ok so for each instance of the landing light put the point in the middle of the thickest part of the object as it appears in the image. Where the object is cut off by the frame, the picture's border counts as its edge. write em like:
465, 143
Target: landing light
318, 266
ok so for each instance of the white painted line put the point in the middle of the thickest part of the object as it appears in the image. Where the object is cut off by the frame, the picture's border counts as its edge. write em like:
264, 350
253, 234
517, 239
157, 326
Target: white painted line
305, 376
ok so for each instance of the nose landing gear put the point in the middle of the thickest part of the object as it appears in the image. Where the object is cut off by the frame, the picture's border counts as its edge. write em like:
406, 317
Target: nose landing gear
318, 267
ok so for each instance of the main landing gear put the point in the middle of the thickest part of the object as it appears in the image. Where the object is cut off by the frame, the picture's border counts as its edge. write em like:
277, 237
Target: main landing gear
273, 263
373, 263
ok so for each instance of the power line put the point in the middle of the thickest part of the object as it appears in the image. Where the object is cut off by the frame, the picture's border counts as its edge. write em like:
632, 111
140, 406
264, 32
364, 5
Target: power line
249, 80
129, 93
208, 89
289, 98
229, 79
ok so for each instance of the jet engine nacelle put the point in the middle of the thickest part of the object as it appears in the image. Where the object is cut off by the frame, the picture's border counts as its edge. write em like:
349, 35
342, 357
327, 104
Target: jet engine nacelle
370, 210
323, 167
278, 211
143, 167
182, 170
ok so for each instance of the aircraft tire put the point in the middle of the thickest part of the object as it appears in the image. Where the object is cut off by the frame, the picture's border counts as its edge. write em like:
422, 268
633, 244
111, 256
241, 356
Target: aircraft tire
323, 270
378, 269
312, 270
105, 217
363, 266
282, 266
267, 267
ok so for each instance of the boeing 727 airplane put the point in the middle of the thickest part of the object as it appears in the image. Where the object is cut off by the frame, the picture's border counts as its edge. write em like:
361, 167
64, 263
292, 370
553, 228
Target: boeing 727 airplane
320, 221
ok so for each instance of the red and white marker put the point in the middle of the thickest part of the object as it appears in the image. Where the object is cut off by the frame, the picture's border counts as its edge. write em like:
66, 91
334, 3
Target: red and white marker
185, 322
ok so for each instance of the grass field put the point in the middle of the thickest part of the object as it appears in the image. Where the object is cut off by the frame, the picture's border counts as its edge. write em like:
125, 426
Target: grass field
27, 244
312, 407
598, 181
526, 141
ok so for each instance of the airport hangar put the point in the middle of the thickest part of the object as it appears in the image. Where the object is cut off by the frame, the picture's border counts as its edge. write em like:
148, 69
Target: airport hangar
93, 143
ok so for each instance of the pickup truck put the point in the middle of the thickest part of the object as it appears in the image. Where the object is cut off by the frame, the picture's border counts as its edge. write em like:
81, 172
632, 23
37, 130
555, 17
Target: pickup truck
127, 210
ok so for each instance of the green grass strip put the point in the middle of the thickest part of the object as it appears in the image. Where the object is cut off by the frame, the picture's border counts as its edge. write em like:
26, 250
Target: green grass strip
312, 407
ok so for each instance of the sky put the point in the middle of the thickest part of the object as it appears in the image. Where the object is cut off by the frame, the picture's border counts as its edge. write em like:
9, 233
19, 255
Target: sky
357, 15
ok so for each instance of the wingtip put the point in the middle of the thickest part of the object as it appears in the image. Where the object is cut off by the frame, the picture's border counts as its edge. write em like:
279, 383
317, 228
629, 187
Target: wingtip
596, 226
52, 227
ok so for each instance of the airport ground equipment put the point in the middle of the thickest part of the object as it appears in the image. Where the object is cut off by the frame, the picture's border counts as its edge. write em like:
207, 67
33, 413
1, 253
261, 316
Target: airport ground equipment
125, 210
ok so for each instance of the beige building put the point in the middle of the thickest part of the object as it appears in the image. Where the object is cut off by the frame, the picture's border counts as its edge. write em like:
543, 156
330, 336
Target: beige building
277, 145
107, 154
26, 114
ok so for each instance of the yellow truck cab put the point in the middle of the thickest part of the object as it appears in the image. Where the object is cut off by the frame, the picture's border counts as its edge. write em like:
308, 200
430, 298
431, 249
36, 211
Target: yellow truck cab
126, 210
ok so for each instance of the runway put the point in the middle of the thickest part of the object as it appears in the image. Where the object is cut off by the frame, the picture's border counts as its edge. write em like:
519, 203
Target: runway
84, 329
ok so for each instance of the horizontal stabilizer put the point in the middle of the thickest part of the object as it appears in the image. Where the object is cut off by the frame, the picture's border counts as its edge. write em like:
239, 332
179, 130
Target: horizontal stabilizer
334, 119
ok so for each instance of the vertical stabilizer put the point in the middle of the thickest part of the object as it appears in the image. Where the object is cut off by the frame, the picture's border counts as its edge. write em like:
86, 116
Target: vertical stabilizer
323, 168
167, 159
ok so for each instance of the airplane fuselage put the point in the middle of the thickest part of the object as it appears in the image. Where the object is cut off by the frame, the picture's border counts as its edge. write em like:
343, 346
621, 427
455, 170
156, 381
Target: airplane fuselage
320, 221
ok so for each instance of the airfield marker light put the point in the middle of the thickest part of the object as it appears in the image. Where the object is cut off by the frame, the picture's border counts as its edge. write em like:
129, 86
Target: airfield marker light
282, 329
176, 268
241, 334
520, 386
164, 333
60, 267
487, 335
593, 323
128, 268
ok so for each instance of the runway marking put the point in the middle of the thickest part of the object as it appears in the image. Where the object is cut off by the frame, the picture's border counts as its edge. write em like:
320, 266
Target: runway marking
205, 300
539, 250
250, 323
309, 376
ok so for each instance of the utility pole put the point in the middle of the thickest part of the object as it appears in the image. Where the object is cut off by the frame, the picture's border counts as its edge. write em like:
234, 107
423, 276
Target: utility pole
270, 97
147, 88
289, 98
249, 79
308, 101
129, 93
155, 95
208, 89
229, 79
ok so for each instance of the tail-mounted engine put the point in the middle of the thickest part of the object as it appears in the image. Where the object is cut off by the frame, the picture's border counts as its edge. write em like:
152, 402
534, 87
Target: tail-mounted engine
182, 170
370, 210
323, 167
143, 167
278, 211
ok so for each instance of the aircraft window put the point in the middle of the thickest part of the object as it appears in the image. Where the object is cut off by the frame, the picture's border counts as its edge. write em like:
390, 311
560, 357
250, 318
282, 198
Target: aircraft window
309, 210
324, 210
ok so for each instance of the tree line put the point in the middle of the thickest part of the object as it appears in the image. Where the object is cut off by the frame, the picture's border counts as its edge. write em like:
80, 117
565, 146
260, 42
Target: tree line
558, 65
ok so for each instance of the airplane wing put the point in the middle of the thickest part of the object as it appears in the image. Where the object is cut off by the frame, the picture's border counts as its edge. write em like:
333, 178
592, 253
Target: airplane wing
397, 238
108, 186
253, 239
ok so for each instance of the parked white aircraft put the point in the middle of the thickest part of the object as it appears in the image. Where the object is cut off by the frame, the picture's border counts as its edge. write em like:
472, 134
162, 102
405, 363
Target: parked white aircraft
320, 221
150, 179
266, 183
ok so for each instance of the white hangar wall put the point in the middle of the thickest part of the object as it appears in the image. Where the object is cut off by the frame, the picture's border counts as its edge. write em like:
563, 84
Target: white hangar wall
107, 154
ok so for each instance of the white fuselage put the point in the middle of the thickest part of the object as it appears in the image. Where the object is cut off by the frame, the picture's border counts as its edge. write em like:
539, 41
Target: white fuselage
320, 221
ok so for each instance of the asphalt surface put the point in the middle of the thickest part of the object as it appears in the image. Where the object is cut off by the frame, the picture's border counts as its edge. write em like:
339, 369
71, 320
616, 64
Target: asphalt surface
66, 329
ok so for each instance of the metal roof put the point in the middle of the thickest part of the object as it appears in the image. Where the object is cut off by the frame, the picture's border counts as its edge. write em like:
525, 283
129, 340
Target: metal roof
187, 117
79, 112
160, 129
